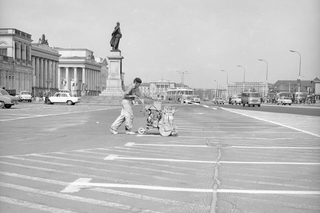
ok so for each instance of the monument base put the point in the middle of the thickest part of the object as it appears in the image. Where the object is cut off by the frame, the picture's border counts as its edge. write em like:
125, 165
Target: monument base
113, 88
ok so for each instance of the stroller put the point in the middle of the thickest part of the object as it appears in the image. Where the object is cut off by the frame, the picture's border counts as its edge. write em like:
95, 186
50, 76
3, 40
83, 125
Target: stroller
161, 119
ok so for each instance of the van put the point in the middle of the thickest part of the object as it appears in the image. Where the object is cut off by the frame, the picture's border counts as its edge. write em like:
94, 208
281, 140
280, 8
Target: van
251, 98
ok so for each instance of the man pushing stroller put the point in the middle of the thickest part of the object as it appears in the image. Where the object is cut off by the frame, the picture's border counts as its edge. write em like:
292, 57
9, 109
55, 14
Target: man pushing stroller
126, 115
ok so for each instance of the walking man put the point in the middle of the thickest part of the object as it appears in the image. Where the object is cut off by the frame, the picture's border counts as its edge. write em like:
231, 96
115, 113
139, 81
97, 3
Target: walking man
126, 112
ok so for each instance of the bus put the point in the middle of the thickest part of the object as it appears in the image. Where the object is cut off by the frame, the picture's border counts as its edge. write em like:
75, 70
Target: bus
251, 98
180, 94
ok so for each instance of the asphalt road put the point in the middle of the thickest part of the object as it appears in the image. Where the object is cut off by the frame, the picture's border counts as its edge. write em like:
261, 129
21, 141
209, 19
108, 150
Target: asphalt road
62, 159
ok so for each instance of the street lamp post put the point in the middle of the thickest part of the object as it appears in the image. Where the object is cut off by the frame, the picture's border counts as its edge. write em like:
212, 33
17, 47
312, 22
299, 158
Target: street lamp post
227, 83
266, 75
244, 76
299, 78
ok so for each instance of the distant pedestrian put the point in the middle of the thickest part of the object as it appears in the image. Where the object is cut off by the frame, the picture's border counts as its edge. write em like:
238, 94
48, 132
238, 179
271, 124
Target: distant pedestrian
126, 114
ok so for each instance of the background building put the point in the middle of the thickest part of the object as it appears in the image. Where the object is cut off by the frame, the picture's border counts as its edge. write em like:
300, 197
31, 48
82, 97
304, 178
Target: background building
78, 71
15, 60
45, 62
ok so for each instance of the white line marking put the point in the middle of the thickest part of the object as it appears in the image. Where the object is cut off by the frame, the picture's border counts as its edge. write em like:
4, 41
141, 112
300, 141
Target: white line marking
108, 191
269, 163
75, 186
48, 115
290, 127
75, 198
175, 145
206, 106
81, 184
38, 207
111, 157
114, 157
274, 147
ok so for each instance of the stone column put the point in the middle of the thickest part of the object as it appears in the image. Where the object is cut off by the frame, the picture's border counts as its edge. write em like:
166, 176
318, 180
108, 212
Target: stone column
67, 77
114, 80
59, 77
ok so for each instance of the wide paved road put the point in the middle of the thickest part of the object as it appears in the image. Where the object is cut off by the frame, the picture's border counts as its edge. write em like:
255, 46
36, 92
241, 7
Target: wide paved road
57, 158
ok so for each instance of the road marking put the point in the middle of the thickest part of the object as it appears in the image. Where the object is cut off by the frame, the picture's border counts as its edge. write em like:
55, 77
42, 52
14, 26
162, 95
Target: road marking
85, 183
48, 115
33, 205
274, 147
178, 145
76, 198
290, 127
108, 191
114, 157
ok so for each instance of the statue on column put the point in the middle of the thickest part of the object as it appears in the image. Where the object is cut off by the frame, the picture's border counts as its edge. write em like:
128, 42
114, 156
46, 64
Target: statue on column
115, 40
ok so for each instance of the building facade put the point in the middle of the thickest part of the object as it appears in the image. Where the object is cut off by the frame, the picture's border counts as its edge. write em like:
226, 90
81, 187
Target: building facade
15, 60
239, 87
78, 71
45, 62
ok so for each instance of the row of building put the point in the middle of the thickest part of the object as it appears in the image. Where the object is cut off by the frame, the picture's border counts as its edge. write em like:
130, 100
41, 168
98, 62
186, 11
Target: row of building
37, 67
158, 89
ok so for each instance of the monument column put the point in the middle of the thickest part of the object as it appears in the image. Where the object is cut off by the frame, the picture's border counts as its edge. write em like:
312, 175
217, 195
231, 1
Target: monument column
114, 82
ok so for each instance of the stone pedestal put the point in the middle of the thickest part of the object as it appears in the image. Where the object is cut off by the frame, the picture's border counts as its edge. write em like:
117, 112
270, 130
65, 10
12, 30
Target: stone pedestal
114, 80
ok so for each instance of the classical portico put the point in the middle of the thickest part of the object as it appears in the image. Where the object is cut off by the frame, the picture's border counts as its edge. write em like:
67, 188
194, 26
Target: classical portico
78, 72
45, 62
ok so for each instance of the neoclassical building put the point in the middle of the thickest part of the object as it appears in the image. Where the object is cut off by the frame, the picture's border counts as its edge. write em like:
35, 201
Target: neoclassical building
78, 71
15, 60
45, 62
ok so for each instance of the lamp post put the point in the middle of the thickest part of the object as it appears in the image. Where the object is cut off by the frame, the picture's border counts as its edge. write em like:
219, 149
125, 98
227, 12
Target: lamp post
299, 78
266, 75
244, 76
227, 84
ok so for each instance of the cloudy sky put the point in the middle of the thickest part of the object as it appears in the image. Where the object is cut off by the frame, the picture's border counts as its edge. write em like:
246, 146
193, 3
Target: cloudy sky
163, 38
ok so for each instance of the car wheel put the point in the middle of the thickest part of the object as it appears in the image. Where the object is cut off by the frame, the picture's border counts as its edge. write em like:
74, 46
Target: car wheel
7, 106
2, 104
243, 104
69, 102
258, 105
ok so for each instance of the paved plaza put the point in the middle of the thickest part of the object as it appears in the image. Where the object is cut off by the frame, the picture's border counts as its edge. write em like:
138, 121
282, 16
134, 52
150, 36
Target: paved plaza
57, 158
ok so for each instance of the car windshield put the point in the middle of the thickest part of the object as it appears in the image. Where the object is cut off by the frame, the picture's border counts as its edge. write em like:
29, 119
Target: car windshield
25, 93
3, 92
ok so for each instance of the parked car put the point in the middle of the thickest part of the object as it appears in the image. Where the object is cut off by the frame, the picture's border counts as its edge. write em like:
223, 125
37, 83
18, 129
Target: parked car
62, 97
236, 100
284, 101
218, 101
25, 96
6, 100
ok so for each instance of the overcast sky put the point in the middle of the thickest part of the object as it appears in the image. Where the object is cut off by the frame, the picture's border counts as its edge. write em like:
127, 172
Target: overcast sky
202, 37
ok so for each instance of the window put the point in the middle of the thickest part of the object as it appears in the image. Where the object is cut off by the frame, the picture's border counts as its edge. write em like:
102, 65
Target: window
3, 51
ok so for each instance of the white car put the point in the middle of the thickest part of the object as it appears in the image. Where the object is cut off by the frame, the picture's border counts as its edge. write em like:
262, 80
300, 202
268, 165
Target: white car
62, 97
195, 100
236, 100
284, 101
25, 96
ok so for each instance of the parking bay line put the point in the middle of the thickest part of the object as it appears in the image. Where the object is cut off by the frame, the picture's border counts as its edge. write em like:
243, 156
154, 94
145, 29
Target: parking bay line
222, 146
80, 183
114, 157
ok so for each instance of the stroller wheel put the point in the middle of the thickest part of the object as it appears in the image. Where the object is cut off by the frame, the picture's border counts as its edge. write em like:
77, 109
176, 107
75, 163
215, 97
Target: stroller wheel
141, 131
163, 131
